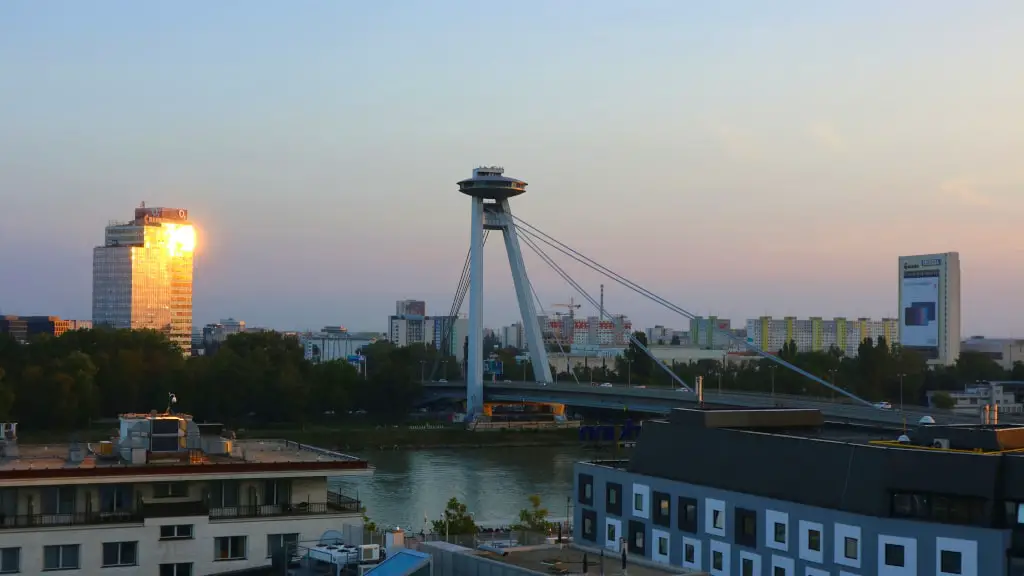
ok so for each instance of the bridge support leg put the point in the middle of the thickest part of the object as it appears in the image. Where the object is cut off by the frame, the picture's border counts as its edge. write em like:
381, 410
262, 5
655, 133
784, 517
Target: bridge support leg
475, 350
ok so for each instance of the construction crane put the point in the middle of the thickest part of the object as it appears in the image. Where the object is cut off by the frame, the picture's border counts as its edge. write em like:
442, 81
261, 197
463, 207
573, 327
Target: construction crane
572, 306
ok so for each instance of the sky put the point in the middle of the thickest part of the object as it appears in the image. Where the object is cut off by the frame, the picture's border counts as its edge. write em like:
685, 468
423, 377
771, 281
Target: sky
739, 158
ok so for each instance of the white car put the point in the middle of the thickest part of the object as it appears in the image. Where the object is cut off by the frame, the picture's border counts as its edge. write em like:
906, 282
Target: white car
883, 405
606, 385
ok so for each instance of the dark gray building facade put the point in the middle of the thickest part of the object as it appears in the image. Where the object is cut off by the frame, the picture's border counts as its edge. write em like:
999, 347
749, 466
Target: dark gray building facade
739, 497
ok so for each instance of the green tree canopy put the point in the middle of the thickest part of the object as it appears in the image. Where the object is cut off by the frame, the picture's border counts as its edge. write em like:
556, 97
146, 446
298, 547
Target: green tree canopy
455, 520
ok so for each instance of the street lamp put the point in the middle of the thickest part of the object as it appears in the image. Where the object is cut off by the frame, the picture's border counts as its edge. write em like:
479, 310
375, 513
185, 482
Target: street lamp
832, 379
772, 368
422, 367
629, 373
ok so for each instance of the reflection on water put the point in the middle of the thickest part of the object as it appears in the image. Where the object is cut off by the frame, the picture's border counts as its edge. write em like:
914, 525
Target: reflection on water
494, 483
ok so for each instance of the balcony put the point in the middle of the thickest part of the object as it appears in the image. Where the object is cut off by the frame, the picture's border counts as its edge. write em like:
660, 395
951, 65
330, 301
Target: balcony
335, 504
77, 519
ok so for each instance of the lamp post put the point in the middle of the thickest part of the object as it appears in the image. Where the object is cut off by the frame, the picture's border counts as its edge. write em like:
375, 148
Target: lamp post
629, 373
832, 379
423, 364
772, 368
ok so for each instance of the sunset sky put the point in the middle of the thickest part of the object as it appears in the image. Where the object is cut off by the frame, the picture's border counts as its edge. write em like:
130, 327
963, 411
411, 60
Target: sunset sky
739, 158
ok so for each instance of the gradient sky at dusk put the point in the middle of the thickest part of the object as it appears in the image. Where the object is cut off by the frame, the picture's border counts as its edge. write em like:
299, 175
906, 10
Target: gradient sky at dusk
740, 158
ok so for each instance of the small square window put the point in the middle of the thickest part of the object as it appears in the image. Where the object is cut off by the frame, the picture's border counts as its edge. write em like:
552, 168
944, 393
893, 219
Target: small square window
663, 546
638, 502
894, 555
780, 532
689, 553
610, 536
779, 571
850, 548
718, 520
663, 506
717, 560
588, 491
747, 567
950, 562
638, 539
814, 540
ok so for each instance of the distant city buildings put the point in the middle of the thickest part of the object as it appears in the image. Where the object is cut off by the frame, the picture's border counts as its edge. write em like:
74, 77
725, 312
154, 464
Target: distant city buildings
335, 343
711, 333
929, 305
512, 336
566, 330
411, 307
24, 328
142, 275
410, 325
1004, 351
817, 334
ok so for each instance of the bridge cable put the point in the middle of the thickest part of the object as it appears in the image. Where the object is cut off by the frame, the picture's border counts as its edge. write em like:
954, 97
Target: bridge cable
565, 276
444, 346
528, 230
558, 339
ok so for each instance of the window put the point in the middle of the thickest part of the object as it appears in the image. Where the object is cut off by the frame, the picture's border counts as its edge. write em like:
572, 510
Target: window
175, 531
120, 553
717, 560
10, 560
286, 543
60, 557
638, 502
589, 525
277, 492
814, 540
224, 494
780, 532
938, 508
585, 489
612, 534
950, 562
170, 490
689, 554
116, 497
58, 500
636, 538
747, 567
229, 548
718, 519
179, 569
687, 515
850, 548
894, 555
777, 571
613, 498
746, 527
662, 509
663, 546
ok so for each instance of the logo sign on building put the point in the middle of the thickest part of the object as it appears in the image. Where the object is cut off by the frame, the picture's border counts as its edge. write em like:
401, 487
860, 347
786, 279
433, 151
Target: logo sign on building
931, 262
494, 367
161, 213
356, 358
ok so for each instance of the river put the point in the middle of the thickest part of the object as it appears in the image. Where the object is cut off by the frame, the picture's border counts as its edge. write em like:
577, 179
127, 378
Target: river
494, 483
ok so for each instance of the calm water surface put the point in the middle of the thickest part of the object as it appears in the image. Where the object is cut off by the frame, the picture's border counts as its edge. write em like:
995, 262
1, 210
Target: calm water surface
494, 483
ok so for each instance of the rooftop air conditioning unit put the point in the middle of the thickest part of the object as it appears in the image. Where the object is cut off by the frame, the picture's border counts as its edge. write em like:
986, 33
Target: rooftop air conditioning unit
941, 443
369, 552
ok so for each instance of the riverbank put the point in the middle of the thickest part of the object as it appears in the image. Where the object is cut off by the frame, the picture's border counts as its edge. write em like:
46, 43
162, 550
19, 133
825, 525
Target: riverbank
415, 438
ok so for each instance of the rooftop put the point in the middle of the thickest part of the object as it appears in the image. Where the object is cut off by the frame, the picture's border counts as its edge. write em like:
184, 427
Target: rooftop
168, 444
555, 559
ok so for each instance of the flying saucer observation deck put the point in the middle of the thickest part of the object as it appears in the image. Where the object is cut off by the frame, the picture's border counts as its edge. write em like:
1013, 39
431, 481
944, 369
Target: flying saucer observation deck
489, 182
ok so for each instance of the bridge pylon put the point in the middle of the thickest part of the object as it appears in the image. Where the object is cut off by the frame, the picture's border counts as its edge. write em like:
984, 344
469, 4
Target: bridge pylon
490, 191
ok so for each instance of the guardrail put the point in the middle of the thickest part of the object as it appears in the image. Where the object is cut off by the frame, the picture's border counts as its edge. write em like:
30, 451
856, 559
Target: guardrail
846, 410
76, 519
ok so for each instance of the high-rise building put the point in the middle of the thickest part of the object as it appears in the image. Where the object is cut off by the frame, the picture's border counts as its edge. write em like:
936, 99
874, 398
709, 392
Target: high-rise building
411, 307
929, 305
512, 336
818, 335
711, 333
565, 330
142, 275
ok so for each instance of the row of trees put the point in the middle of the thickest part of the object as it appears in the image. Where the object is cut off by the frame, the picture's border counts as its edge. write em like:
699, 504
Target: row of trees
879, 372
457, 519
252, 379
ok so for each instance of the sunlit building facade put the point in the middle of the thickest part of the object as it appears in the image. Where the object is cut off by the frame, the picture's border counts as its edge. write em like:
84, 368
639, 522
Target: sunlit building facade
142, 275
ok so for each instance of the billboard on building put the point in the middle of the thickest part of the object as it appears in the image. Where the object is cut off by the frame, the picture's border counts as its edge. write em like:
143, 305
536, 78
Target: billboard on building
919, 309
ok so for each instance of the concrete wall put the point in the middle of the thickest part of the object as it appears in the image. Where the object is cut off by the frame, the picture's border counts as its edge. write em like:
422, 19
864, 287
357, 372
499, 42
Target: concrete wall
451, 560
982, 549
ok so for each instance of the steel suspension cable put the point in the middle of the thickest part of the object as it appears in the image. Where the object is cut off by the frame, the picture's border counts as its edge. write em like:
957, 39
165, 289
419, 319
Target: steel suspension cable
558, 340
565, 276
457, 300
527, 230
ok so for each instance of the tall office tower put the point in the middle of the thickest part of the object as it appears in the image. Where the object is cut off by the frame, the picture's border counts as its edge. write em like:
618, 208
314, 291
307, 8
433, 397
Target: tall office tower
929, 305
142, 275
413, 307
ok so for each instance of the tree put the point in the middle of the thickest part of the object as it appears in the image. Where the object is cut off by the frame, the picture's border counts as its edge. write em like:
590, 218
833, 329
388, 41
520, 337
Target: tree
942, 400
455, 520
534, 518
635, 363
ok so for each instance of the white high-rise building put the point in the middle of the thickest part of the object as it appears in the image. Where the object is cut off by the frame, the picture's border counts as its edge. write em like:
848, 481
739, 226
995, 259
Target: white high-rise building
142, 275
929, 305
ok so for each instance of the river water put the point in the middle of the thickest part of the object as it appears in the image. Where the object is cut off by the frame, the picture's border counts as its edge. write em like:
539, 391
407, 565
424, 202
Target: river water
494, 483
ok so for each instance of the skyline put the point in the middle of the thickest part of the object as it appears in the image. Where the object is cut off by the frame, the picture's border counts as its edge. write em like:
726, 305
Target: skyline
807, 148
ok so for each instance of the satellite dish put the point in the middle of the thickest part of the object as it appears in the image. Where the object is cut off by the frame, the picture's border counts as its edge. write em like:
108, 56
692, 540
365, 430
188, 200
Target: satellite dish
903, 439
926, 420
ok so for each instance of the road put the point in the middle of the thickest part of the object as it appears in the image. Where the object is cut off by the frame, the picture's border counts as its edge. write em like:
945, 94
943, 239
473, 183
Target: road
664, 399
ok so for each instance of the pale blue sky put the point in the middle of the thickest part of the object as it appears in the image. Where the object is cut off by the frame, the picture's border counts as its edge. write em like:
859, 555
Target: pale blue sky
740, 158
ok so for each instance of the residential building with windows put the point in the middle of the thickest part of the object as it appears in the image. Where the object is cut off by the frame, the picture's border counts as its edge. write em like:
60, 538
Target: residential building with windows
168, 497
1004, 351
818, 335
566, 330
780, 492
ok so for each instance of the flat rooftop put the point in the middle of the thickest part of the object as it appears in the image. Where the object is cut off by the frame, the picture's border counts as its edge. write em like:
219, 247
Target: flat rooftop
554, 559
271, 455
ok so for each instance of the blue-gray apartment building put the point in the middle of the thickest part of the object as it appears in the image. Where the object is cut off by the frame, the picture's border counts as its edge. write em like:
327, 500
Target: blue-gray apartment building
782, 493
